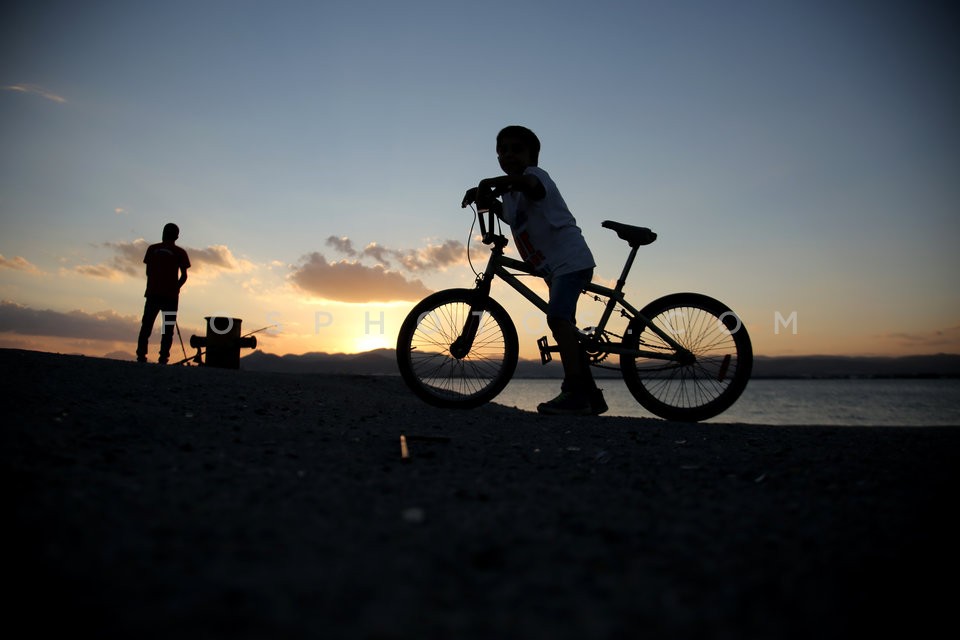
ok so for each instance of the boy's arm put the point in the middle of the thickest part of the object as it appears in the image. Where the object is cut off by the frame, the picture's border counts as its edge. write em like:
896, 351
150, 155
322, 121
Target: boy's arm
484, 194
527, 184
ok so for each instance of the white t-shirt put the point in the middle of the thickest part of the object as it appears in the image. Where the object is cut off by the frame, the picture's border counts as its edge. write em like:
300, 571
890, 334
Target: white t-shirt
545, 232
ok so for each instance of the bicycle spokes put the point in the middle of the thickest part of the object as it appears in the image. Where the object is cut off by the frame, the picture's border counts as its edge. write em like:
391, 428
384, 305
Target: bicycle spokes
701, 378
455, 353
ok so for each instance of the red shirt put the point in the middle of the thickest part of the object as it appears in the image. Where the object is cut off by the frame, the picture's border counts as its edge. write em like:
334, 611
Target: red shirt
164, 261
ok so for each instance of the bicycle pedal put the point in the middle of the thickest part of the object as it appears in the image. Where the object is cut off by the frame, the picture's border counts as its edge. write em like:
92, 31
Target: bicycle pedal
544, 346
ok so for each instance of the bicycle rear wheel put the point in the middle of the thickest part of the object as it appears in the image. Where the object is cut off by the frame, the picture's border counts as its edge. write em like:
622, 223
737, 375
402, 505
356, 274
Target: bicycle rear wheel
704, 385
434, 373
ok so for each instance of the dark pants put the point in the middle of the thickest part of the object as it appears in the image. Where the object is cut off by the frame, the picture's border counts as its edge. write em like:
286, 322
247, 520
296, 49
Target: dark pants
151, 309
561, 318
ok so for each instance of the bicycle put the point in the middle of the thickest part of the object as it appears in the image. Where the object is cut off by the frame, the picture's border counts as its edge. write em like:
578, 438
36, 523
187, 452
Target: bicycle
684, 357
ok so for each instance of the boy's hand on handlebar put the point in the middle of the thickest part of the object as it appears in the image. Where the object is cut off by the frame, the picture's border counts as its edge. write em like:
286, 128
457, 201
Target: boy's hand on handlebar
469, 197
484, 194
480, 195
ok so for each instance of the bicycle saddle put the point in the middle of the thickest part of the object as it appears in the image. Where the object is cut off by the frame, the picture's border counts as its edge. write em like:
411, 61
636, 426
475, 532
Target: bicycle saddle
636, 236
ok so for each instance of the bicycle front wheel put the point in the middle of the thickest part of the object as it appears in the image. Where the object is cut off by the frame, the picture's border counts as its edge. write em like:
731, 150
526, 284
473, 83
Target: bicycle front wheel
443, 375
713, 374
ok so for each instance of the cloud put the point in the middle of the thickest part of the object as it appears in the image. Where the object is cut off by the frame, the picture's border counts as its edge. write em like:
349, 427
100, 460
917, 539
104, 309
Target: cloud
433, 256
102, 325
947, 339
35, 90
128, 260
18, 263
217, 256
429, 258
379, 253
343, 245
353, 282
103, 271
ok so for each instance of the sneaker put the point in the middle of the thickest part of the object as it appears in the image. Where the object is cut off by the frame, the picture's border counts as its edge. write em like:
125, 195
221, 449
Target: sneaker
566, 404
141, 359
597, 404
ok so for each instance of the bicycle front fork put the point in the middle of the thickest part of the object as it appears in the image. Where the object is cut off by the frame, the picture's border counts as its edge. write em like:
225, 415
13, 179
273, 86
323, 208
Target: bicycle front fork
464, 342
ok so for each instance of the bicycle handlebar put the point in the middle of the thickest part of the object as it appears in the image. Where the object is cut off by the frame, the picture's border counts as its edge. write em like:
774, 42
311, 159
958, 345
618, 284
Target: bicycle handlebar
486, 231
473, 196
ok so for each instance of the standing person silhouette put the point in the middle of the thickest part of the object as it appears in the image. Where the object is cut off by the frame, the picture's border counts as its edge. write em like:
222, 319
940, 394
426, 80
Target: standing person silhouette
167, 266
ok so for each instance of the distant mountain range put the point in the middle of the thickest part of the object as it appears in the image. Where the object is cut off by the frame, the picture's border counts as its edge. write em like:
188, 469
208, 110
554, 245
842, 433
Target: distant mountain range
383, 362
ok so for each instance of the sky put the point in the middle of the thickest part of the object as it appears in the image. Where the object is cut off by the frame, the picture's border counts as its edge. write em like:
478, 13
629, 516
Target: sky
800, 161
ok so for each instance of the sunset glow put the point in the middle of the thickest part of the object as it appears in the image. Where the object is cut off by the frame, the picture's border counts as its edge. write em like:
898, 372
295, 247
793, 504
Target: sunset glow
314, 158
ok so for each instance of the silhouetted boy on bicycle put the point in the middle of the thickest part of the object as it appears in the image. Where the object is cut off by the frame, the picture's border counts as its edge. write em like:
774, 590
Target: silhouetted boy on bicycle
548, 238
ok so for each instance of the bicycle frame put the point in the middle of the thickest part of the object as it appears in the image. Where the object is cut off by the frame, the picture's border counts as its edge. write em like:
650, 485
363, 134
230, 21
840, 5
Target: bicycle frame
683, 356
498, 265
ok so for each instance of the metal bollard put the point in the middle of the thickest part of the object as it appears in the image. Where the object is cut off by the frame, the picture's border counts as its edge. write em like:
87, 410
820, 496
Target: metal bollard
223, 342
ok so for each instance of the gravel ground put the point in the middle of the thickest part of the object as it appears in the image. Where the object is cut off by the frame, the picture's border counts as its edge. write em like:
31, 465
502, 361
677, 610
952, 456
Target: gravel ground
190, 502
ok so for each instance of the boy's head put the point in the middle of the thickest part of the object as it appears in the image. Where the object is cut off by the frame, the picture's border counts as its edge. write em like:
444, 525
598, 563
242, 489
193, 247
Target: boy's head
170, 232
515, 143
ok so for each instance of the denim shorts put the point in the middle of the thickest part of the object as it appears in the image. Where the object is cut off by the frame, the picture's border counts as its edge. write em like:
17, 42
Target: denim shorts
565, 292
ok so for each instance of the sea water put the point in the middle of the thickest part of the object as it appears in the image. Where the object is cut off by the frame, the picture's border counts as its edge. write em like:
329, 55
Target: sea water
852, 402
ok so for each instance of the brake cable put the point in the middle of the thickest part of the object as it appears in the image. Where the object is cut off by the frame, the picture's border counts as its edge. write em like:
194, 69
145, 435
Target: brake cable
470, 240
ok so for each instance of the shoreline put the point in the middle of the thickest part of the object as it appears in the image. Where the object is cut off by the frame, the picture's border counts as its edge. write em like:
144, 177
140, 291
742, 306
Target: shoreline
835, 403
159, 501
